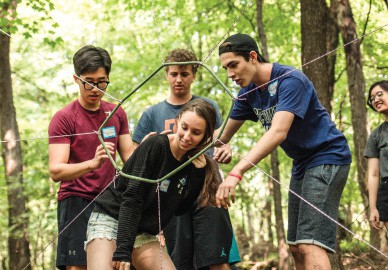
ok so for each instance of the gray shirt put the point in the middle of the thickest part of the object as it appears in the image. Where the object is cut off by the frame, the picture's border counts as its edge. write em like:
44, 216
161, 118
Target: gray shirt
377, 147
162, 116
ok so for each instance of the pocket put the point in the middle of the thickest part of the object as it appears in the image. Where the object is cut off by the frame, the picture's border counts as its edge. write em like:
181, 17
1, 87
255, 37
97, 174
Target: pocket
332, 173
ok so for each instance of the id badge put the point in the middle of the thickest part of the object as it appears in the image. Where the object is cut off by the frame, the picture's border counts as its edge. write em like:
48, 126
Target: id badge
109, 132
164, 185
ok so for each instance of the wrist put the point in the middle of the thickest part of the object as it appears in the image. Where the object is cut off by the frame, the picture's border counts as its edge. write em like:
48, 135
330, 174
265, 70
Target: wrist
237, 175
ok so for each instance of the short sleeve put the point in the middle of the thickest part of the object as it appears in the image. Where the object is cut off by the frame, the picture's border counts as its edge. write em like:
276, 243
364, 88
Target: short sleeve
59, 127
124, 128
143, 127
294, 96
242, 110
371, 148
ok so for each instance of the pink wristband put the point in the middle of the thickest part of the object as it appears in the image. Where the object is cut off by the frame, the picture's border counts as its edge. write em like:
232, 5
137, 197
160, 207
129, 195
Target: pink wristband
235, 175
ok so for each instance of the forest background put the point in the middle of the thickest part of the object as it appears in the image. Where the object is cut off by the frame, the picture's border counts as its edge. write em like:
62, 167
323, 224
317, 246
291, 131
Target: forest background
37, 42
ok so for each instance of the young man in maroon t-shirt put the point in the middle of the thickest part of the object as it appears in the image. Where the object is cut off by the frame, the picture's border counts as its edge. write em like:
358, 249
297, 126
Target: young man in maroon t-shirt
76, 157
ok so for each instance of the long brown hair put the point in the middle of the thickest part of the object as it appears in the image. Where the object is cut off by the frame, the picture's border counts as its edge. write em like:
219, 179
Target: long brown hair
212, 176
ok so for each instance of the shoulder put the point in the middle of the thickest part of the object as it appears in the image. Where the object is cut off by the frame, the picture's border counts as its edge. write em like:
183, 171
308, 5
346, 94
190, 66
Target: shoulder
212, 102
161, 106
289, 74
69, 111
247, 92
159, 141
107, 106
379, 131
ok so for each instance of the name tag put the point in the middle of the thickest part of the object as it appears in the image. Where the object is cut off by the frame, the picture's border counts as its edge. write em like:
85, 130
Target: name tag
109, 132
164, 185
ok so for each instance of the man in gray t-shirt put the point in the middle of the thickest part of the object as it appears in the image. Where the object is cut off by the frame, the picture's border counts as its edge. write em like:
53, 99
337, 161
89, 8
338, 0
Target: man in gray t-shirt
203, 237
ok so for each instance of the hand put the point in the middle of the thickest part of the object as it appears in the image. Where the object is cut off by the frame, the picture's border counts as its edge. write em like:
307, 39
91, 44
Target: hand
223, 154
200, 161
226, 189
161, 239
153, 133
121, 265
100, 156
374, 218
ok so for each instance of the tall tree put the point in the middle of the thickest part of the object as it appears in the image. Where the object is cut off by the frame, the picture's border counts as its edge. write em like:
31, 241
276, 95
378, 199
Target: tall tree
18, 240
276, 189
356, 84
319, 35
314, 15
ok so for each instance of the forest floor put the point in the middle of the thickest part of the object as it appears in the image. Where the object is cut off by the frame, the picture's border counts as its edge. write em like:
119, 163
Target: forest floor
349, 262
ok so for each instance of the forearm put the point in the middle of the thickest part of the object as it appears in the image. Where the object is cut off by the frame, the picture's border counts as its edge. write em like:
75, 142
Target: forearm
267, 143
373, 186
232, 126
68, 172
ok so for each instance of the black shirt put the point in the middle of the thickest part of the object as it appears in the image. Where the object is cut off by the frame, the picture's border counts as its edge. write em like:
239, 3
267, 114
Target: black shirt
135, 203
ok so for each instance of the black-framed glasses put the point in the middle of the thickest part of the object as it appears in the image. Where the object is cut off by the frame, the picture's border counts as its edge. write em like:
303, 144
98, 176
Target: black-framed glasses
100, 85
378, 95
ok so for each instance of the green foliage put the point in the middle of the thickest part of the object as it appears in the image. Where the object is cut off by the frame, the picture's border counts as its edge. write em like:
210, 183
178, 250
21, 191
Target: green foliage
138, 35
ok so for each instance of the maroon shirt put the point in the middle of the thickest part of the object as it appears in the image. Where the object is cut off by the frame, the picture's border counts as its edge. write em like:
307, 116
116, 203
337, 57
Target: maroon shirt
74, 119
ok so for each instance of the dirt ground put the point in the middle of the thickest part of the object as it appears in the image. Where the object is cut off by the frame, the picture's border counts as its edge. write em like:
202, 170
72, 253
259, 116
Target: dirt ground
349, 261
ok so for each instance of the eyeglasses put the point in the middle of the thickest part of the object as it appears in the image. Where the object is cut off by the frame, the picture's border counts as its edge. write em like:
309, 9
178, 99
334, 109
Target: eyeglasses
99, 85
378, 95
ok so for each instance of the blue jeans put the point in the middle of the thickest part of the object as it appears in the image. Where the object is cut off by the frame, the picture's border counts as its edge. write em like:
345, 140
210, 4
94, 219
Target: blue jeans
322, 186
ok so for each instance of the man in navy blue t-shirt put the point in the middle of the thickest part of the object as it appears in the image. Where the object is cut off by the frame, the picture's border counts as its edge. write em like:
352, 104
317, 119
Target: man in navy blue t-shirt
284, 100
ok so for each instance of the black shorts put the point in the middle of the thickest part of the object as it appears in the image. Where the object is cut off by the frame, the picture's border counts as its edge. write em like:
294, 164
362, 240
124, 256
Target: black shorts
382, 201
70, 250
200, 238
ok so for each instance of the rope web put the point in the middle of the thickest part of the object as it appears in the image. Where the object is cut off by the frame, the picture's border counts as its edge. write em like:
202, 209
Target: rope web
120, 102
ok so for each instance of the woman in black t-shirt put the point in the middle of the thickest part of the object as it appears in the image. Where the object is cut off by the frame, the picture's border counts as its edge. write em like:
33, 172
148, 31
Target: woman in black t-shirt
130, 213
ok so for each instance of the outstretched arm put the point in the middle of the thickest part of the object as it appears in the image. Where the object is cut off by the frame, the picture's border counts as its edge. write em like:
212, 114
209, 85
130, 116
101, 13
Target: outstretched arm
280, 126
231, 127
222, 151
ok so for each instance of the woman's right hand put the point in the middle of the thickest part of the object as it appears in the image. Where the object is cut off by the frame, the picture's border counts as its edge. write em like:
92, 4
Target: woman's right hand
374, 218
200, 161
121, 265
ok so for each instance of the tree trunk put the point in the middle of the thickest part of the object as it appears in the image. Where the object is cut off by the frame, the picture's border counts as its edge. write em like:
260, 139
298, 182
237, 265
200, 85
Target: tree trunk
276, 188
260, 29
18, 240
320, 35
314, 17
332, 41
356, 83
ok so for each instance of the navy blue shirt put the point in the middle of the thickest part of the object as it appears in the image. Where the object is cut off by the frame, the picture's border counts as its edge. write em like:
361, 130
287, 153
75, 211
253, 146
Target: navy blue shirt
313, 139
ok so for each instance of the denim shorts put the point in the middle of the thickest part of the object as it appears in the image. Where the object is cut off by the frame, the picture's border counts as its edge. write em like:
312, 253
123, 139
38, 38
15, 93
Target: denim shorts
104, 226
322, 186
